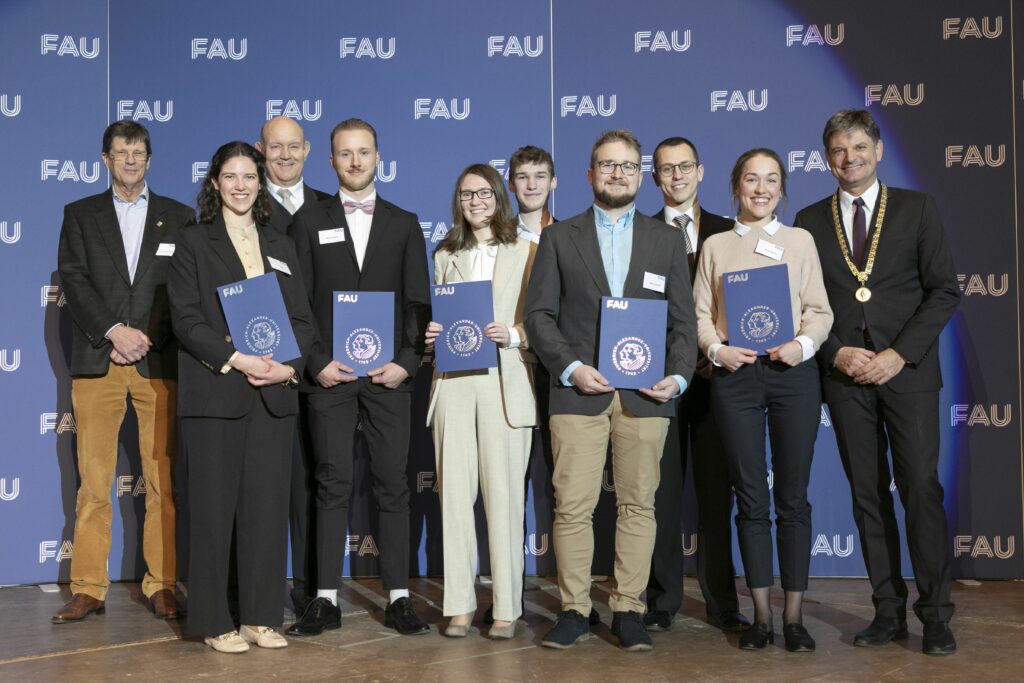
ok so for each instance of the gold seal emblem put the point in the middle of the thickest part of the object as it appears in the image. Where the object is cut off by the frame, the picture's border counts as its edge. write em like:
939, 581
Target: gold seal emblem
862, 294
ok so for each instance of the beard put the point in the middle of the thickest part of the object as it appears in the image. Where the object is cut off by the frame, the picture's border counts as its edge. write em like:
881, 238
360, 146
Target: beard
614, 201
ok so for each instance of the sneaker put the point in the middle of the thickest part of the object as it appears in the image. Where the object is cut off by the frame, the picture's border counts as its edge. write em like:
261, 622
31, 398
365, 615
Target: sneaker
571, 628
628, 627
230, 643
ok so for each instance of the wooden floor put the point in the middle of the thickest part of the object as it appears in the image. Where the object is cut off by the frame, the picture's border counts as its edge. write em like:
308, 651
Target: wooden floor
127, 643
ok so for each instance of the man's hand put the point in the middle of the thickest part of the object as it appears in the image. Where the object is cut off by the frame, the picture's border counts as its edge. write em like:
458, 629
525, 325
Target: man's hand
131, 343
276, 373
790, 353
850, 359
335, 373
732, 358
390, 375
588, 380
880, 369
118, 359
498, 333
663, 391
433, 330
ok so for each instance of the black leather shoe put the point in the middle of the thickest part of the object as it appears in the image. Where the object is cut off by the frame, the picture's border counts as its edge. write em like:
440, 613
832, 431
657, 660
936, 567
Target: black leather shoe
797, 638
882, 631
571, 628
628, 627
938, 639
731, 621
400, 616
757, 637
658, 620
320, 615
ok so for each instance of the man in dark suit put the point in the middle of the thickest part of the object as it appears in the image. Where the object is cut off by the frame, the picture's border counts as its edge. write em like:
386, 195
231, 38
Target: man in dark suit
609, 250
356, 241
892, 286
678, 173
114, 252
286, 148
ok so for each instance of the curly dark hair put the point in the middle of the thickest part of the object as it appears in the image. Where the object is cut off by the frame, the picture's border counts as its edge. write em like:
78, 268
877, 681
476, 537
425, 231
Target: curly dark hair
208, 200
503, 224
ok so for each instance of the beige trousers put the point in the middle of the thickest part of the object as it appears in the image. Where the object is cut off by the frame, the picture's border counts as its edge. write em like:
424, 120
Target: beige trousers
476, 450
99, 404
580, 445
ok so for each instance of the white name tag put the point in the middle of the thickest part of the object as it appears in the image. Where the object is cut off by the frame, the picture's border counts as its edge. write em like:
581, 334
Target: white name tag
279, 265
528, 235
772, 251
654, 282
331, 236
165, 249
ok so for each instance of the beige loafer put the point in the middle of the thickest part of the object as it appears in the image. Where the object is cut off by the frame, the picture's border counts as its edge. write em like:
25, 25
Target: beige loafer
502, 632
230, 643
263, 636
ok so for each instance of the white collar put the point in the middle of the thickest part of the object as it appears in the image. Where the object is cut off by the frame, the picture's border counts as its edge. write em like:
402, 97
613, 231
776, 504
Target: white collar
671, 213
296, 190
870, 196
372, 197
771, 228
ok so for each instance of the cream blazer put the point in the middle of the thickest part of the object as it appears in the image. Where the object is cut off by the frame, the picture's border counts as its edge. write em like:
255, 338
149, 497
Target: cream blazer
512, 266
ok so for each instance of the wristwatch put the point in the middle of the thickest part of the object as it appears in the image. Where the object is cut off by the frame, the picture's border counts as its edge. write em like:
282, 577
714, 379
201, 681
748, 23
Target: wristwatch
292, 381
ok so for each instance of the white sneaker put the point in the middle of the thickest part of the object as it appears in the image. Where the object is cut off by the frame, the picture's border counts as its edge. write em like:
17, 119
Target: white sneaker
230, 642
263, 636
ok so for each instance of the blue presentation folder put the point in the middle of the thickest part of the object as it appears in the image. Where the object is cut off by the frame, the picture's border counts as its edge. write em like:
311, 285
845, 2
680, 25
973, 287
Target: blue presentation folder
364, 329
758, 311
464, 309
632, 350
258, 319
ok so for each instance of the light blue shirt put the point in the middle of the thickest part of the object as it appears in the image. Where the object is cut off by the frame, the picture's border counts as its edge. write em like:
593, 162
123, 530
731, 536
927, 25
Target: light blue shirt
615, 238
131, 218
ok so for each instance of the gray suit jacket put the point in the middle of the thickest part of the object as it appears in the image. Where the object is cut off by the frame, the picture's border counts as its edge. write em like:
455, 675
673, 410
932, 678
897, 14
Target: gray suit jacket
563, 306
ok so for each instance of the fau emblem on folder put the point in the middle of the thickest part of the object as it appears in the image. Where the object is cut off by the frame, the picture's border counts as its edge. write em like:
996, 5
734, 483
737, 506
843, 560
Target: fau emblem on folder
364, 329
258, 319
632, 350
758, 311
464, 309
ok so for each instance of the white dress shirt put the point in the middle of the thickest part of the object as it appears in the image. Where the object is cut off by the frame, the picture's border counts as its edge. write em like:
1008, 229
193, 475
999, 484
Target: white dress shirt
484, 256
359, 225
846, 208
297, 192
691, 227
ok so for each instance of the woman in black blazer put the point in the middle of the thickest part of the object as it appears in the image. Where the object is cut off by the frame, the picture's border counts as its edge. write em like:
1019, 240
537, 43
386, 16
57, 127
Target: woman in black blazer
237, 411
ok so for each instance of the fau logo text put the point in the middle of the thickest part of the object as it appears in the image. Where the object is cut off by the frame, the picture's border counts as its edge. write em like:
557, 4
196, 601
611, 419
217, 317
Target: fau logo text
890, 93
8, 109
141, 110
66, 45
972, 155
529, 46
68, 171
366, 47
961, 28
737, 101
807, 161
585, 105
302, 110
798, 34
653, 41
440, 109
10, 231
215, 48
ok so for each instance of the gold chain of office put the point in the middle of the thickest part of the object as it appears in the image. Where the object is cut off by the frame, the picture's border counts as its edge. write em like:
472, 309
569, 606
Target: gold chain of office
863, 293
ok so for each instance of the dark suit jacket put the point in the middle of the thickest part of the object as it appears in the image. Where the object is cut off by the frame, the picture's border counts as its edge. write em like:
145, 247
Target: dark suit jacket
204, 260
563, 306
395, 261
281, 220
708, 224
94, 273
914, 290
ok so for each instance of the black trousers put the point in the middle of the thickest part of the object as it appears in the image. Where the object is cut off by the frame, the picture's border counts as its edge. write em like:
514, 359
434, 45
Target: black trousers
302, 510
790, 398
332, 424
237, 478
694, 432
867, 425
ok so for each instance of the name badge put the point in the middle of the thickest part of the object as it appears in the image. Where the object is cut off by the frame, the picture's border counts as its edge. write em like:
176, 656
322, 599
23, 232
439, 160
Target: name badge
769, 249
654, 282
529, 235
331, 236
279, 265
165, 249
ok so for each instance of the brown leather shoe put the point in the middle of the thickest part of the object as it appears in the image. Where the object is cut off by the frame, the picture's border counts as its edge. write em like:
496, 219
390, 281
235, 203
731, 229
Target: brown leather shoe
77, 608
164, 605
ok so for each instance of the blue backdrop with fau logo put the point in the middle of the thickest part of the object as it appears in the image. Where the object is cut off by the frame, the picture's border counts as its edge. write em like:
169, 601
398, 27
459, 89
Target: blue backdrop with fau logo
450, 83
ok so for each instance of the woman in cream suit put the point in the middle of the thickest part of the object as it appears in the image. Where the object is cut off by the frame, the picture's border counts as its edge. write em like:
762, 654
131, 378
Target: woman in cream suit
483, 420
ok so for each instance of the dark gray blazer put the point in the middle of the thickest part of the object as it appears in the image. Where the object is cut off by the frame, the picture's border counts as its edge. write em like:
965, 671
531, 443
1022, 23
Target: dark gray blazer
94, 274
563, 306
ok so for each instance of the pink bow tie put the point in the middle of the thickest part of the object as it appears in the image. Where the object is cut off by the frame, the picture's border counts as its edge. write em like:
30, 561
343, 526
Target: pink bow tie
365, 207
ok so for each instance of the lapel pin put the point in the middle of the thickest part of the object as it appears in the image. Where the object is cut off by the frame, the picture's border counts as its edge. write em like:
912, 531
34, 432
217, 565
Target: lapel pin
159, 224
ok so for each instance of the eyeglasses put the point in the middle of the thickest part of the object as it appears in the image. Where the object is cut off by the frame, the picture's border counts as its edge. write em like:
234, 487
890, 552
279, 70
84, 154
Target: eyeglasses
667, 170
123, 155
627, 167
467, 195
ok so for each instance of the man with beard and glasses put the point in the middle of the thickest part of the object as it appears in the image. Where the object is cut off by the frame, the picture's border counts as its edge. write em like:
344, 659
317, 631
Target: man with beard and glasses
609, 250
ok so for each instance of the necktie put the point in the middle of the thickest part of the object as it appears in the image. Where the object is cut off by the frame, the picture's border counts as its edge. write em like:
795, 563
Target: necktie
286, 199
365, 207
682, 222
860, 232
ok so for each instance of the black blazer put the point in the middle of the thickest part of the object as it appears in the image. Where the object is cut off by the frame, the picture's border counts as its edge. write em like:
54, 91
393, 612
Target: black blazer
281, 220
204, 260
708, 224
94, 274
914, 290
563, 306
395, 261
